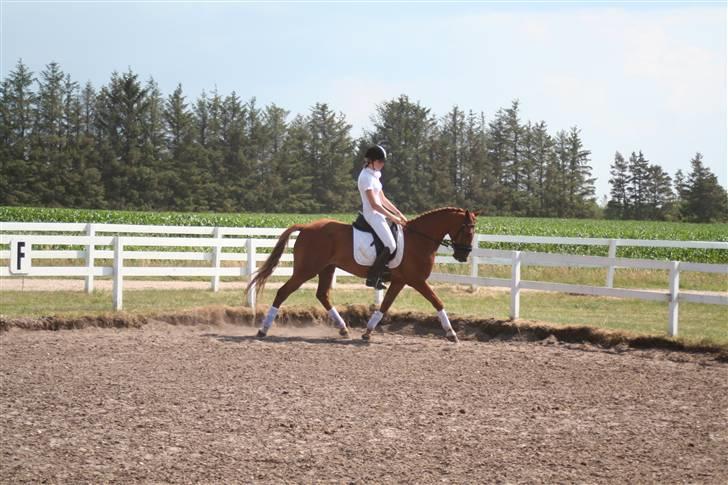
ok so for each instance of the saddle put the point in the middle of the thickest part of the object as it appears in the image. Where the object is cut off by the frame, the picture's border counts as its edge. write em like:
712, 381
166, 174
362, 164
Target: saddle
361, 224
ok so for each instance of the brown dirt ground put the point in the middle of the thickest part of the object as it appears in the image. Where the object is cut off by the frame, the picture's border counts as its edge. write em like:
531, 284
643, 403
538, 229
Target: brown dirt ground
194, 398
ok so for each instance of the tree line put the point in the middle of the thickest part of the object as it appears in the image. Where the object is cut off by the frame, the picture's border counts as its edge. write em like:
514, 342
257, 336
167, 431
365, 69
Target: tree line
641, 190
127, 146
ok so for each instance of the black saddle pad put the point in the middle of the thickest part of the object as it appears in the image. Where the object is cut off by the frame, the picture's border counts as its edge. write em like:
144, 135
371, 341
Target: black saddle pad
362, 224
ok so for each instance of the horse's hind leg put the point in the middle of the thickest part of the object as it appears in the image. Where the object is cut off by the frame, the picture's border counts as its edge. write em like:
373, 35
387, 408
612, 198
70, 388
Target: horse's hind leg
284, 292
377, 316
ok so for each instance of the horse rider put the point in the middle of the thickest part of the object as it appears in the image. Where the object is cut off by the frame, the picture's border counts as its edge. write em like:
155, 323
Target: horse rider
376, 209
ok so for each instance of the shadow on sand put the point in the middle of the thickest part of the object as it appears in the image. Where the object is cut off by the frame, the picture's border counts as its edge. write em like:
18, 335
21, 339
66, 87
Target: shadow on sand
355, 340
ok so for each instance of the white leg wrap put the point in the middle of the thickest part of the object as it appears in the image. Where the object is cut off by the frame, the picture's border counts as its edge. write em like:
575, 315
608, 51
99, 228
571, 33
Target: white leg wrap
444, 321
334, 315
374, 320
269, 317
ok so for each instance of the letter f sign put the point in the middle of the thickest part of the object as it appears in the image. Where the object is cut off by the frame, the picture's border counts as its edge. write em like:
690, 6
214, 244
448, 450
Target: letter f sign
19, 257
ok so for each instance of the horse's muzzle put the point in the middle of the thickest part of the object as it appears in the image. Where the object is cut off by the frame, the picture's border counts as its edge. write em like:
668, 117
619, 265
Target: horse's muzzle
461, 252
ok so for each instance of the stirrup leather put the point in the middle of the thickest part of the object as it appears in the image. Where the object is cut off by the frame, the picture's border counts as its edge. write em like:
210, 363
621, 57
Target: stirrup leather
378, 270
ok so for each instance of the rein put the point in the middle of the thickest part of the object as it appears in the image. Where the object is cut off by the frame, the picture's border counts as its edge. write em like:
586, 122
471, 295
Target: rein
443, 242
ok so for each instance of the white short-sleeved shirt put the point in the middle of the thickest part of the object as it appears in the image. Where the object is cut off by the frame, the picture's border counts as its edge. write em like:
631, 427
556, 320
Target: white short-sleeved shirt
369, 180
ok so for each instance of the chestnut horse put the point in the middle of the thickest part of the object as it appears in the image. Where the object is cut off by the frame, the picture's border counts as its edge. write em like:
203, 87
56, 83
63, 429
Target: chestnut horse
325, 244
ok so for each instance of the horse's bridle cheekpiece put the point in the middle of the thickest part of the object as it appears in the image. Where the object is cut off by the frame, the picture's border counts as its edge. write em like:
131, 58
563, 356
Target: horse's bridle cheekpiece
457, 248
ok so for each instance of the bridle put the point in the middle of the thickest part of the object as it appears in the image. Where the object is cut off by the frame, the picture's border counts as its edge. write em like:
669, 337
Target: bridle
456, 246
448, 243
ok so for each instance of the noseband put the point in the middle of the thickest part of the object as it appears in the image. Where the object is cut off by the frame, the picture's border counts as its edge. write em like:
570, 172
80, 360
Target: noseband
459, 247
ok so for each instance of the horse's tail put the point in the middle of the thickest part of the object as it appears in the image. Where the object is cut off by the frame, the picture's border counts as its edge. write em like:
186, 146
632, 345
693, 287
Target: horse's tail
264, 272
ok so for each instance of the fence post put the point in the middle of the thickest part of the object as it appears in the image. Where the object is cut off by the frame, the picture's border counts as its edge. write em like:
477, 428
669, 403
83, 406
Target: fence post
251, 267
89, 286
474, 262
216, 256
674, 303
118, 289
612, 254
516, 285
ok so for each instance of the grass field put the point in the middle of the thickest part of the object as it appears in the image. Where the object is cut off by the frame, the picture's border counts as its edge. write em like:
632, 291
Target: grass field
707, 323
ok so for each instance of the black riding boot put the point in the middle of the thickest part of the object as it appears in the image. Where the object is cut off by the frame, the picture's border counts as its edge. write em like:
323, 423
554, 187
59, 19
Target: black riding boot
374, 277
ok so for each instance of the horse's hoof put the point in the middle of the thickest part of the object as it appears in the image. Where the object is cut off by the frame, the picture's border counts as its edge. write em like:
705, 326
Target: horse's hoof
452, 337
366, 335
344, 332
261, 334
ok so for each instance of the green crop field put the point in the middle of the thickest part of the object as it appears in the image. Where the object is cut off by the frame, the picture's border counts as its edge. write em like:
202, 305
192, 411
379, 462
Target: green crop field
486, 225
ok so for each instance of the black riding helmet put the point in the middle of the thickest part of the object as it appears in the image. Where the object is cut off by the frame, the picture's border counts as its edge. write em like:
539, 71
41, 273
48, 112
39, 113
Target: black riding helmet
376, 152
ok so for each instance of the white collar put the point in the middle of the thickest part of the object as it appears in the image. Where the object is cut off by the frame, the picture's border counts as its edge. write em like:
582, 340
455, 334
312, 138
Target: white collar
376, 173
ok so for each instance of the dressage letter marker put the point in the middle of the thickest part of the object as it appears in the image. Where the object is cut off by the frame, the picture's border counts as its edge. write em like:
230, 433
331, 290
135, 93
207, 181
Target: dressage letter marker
19, 257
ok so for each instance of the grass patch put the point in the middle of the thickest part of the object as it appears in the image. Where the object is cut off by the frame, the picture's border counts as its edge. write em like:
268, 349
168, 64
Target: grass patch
698, 323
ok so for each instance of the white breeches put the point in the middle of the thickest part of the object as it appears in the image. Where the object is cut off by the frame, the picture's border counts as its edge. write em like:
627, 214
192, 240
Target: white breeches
380, 226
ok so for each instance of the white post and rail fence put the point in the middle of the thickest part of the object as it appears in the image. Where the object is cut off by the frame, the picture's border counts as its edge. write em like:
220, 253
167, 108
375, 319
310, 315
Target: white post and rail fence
114, 250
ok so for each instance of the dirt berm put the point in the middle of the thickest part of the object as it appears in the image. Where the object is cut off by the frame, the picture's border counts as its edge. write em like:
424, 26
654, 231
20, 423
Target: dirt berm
405, 323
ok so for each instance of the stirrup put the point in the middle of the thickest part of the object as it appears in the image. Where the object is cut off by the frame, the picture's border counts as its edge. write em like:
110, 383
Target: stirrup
376, 284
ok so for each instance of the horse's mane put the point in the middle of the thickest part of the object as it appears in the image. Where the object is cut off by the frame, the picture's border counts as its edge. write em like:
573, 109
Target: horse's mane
435, 211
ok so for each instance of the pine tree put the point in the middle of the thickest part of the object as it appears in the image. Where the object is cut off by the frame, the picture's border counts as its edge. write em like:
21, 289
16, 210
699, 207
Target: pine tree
18, 101
680, 185
476, 162
557, 178
121, 110
255, 153
495, 185
18, 173
513, 162
276, 134
237, 170
618, 205
705, 199
451, 146
659, 192
71, 111
48, 128
48, 143
182, 176
543, 158
580, 182
511, 152
406, 129
212, 137
88, 111
331, 152
637, 189
90, 193
297, 177
526, 199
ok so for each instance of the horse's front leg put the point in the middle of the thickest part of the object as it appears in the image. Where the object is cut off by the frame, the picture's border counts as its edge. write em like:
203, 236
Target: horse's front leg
425, 290
326, 278
394, 288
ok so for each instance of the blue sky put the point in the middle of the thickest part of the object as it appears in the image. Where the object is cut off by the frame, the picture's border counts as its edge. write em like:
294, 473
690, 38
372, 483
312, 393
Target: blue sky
647, 76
